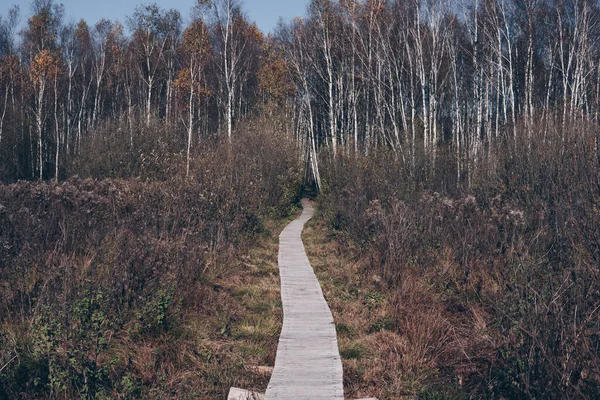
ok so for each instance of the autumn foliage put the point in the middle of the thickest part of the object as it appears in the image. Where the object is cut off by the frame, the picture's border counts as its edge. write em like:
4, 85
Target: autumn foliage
491, 291
101, 279
454, 147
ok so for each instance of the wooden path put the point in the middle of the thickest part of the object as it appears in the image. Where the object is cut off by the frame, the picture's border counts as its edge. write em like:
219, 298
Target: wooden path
307, 365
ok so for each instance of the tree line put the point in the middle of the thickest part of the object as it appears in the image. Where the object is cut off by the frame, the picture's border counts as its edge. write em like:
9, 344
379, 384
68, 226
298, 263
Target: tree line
423, 79
60, 81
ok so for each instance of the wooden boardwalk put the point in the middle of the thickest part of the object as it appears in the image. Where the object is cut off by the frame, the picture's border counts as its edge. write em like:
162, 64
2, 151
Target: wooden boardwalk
307, 365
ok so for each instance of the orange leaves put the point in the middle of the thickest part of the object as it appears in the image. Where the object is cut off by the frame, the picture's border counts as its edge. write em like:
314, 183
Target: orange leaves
184, 83
114, 39
255, 34
184, 79
196, 39
39, 31
44, 65
274, 77
9, 65
82, 33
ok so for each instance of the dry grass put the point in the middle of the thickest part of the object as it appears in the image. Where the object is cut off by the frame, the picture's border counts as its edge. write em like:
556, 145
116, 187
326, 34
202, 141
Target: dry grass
227, 326
395, 343
361, 312
146, 288
230, 345
487, 291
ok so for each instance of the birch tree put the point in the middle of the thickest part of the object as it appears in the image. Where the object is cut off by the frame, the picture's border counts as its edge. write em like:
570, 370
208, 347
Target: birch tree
40, 43
100, 64
9, 62
296, 41
84, 76
230, 47
322, 14
43, 68
152, 28
196, 48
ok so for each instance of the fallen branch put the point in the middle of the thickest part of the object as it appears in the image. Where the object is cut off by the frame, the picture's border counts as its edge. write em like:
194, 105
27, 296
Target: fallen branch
9, 361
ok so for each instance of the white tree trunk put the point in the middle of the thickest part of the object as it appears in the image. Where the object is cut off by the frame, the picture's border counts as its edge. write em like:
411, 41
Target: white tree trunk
190, 129
40, 128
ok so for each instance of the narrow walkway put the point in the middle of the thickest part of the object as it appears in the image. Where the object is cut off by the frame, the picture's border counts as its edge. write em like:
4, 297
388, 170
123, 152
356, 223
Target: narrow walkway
307, 365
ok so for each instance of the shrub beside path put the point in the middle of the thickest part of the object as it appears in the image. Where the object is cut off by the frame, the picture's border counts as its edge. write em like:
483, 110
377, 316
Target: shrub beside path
308, 364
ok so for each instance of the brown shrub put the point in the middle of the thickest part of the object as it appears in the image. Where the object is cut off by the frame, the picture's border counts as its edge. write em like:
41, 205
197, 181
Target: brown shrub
100, 278
495, 285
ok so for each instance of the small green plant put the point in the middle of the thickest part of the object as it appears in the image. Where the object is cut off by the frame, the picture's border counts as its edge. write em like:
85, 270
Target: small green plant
352, 351
156, 315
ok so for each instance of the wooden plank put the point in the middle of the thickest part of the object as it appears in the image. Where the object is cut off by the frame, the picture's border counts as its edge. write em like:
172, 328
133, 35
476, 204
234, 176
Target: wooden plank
241, 394
308, 364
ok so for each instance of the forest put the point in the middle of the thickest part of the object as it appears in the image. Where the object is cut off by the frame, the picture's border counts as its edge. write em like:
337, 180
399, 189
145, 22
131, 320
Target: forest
147, 166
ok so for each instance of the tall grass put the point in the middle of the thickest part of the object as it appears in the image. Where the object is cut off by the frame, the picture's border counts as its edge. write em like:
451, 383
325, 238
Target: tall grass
495, 287
100, 278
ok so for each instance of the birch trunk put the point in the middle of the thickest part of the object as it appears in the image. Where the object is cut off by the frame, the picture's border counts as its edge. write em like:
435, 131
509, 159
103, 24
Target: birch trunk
3, 113
39, 123
56, 129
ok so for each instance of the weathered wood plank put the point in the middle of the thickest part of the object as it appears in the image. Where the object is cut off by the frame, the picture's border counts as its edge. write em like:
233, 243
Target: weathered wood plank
241, 394
308, 364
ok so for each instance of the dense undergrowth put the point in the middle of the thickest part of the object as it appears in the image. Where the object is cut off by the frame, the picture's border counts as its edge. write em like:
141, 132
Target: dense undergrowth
129, 280
112, 288
491, 291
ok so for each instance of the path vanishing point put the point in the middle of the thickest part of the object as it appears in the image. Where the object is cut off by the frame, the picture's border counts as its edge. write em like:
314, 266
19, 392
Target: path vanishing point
308, 364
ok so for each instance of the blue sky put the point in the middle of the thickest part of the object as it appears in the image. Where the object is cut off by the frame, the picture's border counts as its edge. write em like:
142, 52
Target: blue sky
265, 13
